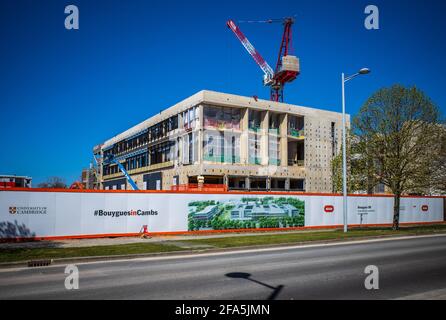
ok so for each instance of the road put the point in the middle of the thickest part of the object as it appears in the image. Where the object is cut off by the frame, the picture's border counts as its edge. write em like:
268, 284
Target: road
408, 268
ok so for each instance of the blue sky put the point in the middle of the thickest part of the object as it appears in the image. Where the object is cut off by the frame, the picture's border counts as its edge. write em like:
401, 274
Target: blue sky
63, 91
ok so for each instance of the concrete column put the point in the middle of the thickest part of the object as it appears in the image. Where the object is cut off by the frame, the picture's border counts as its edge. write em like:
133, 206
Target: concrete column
176, 157
284, 140
244, 124
264, 125
180, 121
180, 139
101, 171
200, 133
200, 109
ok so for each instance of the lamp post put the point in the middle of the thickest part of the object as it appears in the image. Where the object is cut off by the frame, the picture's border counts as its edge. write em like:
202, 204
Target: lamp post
344, 145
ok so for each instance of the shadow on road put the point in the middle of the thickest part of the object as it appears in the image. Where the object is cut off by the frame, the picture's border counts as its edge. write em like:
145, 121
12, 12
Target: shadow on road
247, 276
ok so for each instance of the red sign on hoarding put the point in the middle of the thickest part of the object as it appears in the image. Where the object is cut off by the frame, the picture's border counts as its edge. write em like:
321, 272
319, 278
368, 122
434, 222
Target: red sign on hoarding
329, 208
425, 208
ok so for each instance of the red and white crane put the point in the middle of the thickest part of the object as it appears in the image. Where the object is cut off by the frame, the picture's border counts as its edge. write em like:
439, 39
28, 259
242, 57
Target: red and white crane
287, 66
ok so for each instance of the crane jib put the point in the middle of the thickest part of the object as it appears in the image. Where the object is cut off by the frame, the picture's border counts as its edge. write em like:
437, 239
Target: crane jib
266, 68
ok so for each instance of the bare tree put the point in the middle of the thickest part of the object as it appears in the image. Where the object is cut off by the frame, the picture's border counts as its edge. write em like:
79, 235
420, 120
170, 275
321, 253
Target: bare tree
400, 137
53, 183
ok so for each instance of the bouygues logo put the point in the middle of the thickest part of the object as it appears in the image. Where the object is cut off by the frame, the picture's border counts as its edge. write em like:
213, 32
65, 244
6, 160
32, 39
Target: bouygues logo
425, 208
129, 213
12, 210
328, 208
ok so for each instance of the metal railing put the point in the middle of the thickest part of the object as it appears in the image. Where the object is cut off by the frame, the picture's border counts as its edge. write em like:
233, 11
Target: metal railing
296, 133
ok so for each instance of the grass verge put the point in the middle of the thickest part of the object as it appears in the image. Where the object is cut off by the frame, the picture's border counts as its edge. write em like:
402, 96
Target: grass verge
299, 237
24, 254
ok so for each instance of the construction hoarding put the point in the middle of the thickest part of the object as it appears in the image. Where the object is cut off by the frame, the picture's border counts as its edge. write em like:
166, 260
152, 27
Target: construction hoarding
70, 214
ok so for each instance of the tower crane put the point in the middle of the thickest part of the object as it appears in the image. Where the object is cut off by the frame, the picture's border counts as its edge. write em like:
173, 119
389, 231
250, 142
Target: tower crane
287, 66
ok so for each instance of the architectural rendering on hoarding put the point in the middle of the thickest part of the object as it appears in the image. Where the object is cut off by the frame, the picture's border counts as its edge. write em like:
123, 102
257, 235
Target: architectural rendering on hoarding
43, 214
246, 213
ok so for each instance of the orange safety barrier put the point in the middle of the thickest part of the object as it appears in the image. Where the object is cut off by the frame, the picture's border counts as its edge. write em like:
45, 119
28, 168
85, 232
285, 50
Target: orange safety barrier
198, 187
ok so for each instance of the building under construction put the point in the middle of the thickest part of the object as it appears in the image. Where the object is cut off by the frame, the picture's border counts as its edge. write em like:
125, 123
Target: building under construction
240, 142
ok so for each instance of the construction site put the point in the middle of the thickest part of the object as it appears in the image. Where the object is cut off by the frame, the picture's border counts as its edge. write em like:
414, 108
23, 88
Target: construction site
155, 153
229, 142
213, 161
221, 139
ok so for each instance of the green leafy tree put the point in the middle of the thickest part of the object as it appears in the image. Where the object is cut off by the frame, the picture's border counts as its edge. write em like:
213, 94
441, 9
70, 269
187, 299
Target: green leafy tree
400, 137
215, 224
266, 200
192, 225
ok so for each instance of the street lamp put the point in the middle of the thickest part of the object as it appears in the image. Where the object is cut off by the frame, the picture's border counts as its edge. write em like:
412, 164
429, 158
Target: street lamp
344, 145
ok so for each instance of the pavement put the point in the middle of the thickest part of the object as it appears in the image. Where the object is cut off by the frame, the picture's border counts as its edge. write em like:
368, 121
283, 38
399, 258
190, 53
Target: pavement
77, 243
409, 268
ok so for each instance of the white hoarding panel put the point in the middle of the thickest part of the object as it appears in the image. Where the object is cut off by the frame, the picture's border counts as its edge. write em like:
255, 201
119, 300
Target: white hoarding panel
62, 214
421, 209
68, 213
91, 214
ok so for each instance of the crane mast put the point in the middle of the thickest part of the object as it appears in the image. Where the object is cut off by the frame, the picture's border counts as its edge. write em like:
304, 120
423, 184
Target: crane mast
287, 66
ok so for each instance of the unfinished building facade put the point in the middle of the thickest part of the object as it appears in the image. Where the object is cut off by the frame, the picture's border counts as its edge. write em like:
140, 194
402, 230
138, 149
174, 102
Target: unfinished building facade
241, 142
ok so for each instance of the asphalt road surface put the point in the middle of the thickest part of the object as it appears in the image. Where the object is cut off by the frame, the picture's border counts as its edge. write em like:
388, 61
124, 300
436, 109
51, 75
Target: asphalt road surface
408, 268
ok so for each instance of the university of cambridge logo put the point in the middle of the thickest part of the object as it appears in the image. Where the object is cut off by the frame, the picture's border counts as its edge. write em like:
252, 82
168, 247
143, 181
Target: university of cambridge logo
27, 210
